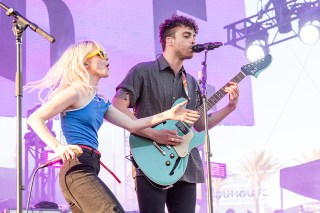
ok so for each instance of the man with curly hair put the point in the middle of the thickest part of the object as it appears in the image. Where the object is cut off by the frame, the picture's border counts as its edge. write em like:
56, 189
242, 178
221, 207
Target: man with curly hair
152, 87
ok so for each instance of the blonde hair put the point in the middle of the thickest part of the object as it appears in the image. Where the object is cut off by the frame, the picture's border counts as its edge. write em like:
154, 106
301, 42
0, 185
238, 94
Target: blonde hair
69, 70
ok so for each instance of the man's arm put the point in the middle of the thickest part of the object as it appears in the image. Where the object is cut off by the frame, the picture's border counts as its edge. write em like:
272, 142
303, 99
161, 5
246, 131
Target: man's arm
217, 117
121, 101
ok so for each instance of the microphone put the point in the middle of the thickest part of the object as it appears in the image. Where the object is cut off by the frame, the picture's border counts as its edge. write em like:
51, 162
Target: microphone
57, 159
206, 46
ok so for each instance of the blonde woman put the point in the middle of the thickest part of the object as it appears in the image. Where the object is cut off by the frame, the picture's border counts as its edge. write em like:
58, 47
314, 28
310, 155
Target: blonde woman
73, 83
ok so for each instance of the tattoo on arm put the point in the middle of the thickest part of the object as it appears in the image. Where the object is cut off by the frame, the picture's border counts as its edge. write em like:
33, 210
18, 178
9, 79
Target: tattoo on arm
122, 93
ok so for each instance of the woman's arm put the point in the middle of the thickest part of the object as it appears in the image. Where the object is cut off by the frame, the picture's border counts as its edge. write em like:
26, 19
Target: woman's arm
120, 119
60, 102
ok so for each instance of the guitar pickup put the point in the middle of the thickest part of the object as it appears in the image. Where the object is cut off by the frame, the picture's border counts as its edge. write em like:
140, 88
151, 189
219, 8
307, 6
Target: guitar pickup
182, 127
159, 148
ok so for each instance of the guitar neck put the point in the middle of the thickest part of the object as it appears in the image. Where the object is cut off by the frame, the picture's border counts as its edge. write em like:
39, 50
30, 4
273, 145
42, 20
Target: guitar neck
214, 99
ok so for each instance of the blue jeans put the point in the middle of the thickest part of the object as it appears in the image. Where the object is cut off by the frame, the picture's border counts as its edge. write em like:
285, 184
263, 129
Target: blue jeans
83, 189
181, 198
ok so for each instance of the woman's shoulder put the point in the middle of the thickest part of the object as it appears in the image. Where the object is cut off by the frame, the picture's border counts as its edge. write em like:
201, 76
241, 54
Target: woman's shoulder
69, 95
70, 92
76, 97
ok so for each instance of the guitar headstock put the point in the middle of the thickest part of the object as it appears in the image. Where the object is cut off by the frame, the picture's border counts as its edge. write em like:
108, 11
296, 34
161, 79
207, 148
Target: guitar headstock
257, 66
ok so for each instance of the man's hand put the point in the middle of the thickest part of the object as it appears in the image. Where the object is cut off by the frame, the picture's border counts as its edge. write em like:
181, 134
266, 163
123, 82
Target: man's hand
167, 137
234, 92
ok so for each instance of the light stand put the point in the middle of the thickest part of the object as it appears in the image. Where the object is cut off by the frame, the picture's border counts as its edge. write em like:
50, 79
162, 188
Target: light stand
19, 25
207, 150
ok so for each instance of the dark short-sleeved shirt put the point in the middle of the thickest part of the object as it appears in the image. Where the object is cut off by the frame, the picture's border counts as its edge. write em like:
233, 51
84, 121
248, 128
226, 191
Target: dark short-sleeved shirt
154, 88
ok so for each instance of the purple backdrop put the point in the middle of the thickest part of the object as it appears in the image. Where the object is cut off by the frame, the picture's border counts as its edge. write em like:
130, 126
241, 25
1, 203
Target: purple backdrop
129, 33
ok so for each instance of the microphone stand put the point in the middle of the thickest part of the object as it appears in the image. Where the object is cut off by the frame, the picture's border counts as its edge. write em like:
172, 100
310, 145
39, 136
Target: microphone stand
20, 23
207, 150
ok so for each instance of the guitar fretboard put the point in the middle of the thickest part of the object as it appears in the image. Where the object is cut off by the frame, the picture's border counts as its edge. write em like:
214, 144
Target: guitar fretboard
214, 99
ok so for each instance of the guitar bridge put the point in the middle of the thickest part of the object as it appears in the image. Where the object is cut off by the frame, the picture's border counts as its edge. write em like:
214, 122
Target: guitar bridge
159, 148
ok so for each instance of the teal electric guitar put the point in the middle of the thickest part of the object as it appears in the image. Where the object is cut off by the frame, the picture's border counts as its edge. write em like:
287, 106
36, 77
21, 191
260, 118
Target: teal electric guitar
165, 165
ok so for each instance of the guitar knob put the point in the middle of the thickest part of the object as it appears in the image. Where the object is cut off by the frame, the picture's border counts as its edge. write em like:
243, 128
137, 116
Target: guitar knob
172, 156
168, 163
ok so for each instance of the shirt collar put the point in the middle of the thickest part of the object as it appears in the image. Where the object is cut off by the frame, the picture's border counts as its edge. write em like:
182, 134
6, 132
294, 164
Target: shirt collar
163, 65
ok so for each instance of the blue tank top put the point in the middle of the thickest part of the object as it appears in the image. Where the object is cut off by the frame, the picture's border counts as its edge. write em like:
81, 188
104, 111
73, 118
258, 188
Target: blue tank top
80, 126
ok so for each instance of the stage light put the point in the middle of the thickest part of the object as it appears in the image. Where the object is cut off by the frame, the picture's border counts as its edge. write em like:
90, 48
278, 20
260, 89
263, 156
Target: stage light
282, 16
309, 23
257, 43
309, 33
255, 51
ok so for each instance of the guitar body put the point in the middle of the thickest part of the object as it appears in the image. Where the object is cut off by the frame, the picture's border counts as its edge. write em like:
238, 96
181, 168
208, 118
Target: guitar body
164, 169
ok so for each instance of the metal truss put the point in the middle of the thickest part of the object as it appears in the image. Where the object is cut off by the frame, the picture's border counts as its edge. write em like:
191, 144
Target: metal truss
45, 180
266, 19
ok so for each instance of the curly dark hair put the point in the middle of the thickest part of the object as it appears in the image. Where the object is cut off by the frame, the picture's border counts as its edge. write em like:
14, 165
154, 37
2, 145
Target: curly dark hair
168, 27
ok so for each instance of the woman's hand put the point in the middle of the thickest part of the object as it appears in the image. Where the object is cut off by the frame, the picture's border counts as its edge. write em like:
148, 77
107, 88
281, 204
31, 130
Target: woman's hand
181, 114
68, 152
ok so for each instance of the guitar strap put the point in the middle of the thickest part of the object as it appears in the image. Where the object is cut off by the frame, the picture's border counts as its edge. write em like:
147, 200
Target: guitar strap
185, 84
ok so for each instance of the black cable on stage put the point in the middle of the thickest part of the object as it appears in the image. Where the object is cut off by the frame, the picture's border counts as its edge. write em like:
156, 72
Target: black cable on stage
30, 191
